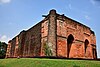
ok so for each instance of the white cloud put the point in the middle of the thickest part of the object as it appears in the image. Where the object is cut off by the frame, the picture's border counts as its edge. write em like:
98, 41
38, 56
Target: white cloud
10, 23
87, 17
4, 38
70, 6
98, 53
4, 1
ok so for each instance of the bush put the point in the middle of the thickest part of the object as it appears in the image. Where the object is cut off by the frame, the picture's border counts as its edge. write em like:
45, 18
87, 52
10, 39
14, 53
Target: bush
47, 50
3, 48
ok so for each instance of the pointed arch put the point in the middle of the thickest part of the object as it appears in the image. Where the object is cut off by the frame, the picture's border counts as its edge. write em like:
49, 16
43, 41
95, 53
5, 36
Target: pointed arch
86, 44
70, 40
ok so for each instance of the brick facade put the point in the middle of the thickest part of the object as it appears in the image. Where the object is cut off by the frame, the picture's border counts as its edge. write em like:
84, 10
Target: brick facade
56, 35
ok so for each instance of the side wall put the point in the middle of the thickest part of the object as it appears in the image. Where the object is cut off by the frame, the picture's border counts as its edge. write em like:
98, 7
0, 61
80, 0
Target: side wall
32, 42
26, 44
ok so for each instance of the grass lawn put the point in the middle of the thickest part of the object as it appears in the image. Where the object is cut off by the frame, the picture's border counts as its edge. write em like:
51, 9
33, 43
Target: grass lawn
42, 62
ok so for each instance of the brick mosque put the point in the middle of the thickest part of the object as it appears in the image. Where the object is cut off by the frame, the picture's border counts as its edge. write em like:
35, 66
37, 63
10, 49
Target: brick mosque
55, 36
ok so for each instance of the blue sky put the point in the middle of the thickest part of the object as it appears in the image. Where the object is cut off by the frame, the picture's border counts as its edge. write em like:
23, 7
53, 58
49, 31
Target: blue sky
18, 15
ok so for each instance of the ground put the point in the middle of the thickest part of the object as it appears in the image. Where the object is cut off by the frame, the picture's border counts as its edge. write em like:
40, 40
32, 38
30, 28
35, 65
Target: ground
37, 62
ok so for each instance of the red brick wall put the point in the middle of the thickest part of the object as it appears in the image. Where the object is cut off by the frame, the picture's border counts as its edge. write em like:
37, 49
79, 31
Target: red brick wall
32, 41
8, 49
12, 47
44, 33
80, 32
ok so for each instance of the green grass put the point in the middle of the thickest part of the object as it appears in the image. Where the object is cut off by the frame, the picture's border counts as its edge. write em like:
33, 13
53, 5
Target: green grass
37, 62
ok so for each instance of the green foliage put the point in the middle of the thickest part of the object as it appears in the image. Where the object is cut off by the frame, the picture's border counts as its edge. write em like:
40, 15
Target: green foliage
3, 48
47, 50
37, 62
2, 54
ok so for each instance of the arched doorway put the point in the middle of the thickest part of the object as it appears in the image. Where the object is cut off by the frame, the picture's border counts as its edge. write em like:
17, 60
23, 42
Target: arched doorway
86, 45
69, 43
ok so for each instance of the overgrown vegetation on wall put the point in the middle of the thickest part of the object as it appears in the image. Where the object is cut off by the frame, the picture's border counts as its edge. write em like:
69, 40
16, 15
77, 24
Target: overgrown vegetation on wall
47, 50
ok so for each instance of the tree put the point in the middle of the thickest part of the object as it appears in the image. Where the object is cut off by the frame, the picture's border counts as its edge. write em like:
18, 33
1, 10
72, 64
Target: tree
3, 49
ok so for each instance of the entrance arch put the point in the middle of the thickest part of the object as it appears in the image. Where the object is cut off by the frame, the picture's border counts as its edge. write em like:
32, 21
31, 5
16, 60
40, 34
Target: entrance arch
70, 40
86, 45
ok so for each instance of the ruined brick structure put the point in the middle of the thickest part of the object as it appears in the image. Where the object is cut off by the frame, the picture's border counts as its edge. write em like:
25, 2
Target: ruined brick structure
56, 35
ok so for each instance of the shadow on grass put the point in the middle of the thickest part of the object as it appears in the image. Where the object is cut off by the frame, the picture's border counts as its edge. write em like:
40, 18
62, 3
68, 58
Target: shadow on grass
55, 57
76, 66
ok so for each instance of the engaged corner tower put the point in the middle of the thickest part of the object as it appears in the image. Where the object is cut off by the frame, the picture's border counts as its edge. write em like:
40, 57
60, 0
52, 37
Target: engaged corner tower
51, 38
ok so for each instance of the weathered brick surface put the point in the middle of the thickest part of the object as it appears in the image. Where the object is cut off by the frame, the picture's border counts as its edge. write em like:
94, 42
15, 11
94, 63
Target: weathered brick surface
44, 33
61, 48
80, 32
8, 49
55, 34
16, 48
51, 39
32, 41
